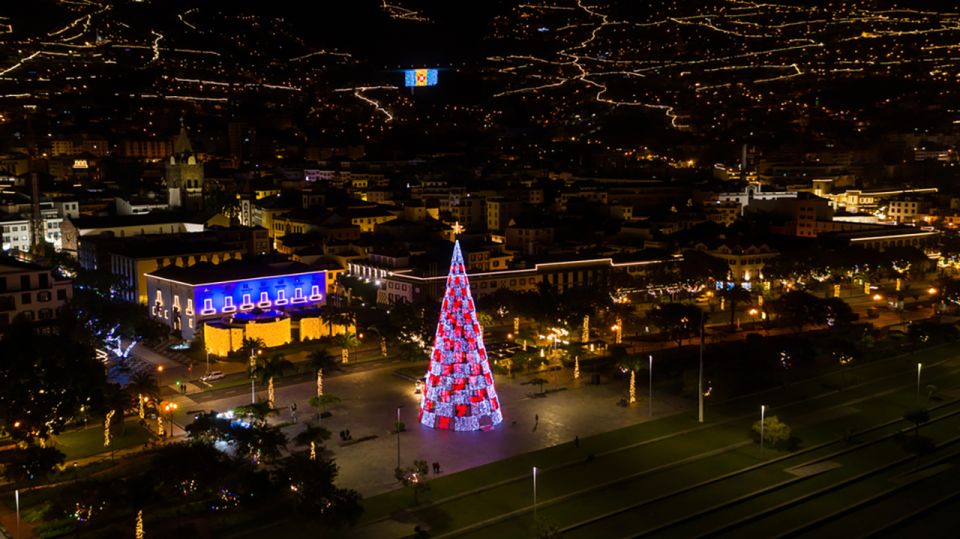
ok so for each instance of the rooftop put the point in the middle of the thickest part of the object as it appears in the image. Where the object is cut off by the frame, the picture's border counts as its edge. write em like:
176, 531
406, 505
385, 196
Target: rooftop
231, 270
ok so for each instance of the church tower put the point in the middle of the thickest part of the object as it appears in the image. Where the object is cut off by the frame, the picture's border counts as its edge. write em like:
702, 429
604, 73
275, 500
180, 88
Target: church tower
184, 175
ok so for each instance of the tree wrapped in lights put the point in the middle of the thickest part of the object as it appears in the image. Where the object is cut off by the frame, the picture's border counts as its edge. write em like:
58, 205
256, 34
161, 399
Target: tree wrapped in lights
460, 393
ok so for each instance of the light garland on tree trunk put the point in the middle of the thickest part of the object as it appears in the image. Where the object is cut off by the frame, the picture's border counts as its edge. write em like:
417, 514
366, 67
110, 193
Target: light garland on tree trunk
106, 428
139, 530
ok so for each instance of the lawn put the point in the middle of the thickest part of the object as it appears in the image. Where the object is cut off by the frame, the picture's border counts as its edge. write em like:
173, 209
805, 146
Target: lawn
503, 487
87, 442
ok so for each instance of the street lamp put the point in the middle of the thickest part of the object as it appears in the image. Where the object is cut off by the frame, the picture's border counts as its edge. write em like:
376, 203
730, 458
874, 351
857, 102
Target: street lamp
398, 437
763, 412
160, 375
700, 376
535, 494
170, 408
919, 368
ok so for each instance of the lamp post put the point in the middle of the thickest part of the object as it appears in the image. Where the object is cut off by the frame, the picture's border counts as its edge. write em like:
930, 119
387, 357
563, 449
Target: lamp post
207, 370
16, 497
650, 382
398, 437
535, 494
763, 412
700, 375
253, 390
170, 408
919, 368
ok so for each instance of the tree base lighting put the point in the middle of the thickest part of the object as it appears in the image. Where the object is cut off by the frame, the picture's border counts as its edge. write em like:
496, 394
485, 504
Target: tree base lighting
459, 393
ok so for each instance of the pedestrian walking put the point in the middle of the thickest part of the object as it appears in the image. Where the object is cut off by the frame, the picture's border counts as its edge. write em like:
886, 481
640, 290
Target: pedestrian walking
576, 442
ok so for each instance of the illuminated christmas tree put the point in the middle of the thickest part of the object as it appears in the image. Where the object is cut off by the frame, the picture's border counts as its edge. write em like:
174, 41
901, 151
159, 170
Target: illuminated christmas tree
459, 393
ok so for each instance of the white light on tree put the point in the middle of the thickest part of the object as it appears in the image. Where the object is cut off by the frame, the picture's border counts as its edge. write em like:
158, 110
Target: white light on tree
106, 428
345, 355
140, 405
585, 334
160, 431
270, 393
633, 386
516, 325
313, 451
619, 331
576, 368
319, 382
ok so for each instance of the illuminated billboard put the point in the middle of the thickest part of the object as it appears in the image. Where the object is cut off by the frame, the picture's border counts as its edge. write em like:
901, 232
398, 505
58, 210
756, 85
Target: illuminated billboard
420, 77
264, 293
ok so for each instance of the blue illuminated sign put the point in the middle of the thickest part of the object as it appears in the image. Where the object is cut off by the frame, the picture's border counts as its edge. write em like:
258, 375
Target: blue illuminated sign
264, 293
420, 77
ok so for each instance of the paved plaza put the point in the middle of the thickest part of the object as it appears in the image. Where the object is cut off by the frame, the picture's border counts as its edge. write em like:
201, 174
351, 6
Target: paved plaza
369, 409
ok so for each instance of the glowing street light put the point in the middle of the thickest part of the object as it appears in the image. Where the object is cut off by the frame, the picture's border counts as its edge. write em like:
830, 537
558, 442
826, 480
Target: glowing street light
160, 375
763, 412
919, 368
534, 493
170, 408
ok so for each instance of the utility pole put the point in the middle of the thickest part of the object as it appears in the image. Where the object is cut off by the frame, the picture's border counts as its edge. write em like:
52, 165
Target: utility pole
700, 376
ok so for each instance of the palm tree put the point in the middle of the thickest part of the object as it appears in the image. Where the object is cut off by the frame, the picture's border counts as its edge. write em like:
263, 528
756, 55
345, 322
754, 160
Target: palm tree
117, 399
312, 434
323, 401
143, 385
321, 359
250, 347
258, 411
347, 341
734, 295
539, 382
267, 369
632, 364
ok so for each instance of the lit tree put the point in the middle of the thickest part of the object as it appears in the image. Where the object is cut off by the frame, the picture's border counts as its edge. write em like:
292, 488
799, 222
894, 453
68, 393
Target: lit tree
47, 380
414, 478
459, 392
249, 348
346, 341
632, 364
268, 368
319, 360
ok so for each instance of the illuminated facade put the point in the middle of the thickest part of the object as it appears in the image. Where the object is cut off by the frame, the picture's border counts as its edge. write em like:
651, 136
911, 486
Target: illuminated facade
184, 298
459, 393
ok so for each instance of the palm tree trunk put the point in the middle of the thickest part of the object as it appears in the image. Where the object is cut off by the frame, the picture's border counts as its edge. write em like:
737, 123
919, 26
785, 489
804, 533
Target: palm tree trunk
319, 382
633, 386
270, 391
733, 311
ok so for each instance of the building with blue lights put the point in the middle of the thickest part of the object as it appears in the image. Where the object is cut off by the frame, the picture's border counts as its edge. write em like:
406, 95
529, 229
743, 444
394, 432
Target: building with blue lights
235, 292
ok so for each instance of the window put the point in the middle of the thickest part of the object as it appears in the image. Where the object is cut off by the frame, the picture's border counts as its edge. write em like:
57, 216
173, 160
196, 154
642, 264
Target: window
24, 282
44, 280
44, 296
25, 299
